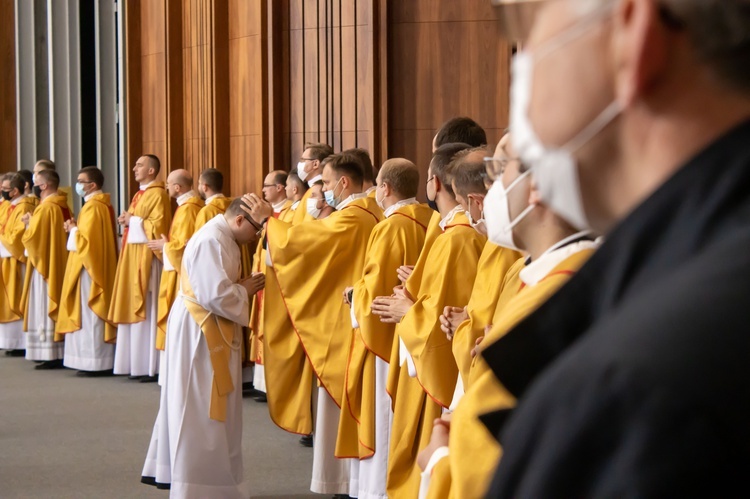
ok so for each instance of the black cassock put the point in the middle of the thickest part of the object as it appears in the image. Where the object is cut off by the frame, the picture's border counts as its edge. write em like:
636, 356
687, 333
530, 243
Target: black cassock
634, 379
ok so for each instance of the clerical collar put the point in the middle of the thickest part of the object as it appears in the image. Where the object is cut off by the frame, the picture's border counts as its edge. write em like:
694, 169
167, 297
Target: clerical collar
368, 191
182, 199
294, 205
538, 269
146, 186
279, 206
89, 196
404, 202
14, 202
215, 196
312, 181
343, 204
450, 216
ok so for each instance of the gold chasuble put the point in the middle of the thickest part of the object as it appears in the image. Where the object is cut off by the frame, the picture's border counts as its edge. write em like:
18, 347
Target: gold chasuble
313, 263
96, 251
45, 241
473, 451
255, 342
216, 206
182, 229
6, 313
134, 268
396, 241
11, 234
491, 270
446, 279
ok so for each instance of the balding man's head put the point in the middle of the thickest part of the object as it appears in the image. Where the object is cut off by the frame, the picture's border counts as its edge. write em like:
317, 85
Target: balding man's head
401, 177
44, 164
179, 182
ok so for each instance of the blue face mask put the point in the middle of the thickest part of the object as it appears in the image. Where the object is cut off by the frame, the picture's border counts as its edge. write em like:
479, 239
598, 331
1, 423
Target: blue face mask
80, 190
330, 198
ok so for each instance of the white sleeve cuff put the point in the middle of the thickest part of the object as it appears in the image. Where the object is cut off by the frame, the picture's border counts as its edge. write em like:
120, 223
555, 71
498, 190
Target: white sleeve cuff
355, 323
72, 246
405, 356
136, 234
269, 263
458, 393
167, 264
4, 253
424, 485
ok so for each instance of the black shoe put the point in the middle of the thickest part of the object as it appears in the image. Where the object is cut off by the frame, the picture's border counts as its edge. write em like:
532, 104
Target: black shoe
15, 353
149, 379
136, 378
248, 385
261, 397
148, 480
306, 441
50, 364
95, 374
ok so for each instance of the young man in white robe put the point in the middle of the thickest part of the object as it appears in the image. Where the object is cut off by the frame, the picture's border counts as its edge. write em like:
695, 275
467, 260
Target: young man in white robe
196, 445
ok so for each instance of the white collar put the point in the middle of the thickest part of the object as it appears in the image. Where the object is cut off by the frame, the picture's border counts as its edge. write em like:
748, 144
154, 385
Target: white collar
14, 202
450, 216
294, 205
146, 186
182, 198
343, 204
404, 202
368, 191
215, 196
554, 256
312, 181
278, 206
89, 196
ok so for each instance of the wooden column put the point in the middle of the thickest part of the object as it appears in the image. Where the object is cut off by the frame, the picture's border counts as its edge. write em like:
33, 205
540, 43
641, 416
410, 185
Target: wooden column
8, 127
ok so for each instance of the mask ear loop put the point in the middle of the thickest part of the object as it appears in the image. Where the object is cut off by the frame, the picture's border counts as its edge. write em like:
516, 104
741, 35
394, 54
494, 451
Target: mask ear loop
527, 210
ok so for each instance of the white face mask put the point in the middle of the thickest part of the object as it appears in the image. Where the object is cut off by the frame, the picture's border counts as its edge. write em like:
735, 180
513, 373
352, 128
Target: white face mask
301, 173
378, 200
555, 169
479, 225
497, 212
312, 207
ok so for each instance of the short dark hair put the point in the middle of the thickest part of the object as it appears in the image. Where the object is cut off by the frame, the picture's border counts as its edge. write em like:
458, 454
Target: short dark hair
318, 150
50, 177
27, 177
279, 176
48, 164
402, 176
155, 163
17, 182
94, 175
347, 165
235, 208
213, 178
441, 159
294, 178
461, 129
468, 175
365, 162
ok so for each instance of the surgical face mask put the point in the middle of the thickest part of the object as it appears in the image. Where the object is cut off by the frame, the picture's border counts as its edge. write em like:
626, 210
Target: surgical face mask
80, 189
497, 213
301, 171
479, 225
312, 207
6, 195
555, 169
378, 200
330, 198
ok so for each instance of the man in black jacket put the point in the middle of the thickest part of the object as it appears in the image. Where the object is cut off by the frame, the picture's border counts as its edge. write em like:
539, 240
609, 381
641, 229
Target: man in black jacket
633, 381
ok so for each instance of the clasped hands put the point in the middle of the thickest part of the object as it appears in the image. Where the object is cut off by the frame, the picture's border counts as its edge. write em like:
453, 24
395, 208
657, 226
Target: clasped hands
254, 283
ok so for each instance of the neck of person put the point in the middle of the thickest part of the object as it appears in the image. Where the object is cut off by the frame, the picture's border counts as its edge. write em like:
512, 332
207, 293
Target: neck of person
146, 182
445, 204
45, 194
538, 236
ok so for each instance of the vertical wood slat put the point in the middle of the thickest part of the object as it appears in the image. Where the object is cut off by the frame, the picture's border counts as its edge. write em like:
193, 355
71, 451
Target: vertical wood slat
134, 90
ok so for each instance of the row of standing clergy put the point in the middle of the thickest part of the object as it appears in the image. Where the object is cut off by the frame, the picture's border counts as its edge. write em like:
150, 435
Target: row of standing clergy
63, 276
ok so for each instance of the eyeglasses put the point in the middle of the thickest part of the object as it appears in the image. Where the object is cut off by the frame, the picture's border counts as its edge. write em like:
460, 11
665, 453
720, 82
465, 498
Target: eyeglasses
429, 180
259, 228
271, 185
307, 159
495, 167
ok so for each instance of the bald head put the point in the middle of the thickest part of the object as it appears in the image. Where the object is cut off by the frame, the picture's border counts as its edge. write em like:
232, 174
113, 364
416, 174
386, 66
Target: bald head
179, 182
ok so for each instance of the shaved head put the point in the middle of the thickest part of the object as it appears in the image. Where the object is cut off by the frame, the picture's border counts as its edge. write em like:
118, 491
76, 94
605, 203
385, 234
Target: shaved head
181, 177
401, 175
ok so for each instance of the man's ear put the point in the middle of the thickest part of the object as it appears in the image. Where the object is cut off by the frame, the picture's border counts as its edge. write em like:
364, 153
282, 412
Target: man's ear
534, 196
387, 189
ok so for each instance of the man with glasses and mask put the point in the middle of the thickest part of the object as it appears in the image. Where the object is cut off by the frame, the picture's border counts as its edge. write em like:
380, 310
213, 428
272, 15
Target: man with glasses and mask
13, 263
196, 445
313, 263
89, 278
310, 170
632, 379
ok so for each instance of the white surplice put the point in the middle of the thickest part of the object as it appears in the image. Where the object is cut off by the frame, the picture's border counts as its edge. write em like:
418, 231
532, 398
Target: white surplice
199, 456
40, 344
330, 475
11, 333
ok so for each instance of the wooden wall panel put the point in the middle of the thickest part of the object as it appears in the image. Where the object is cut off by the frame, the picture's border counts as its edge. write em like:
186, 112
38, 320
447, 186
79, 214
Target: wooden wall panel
8, 127
153, 53
445, 59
